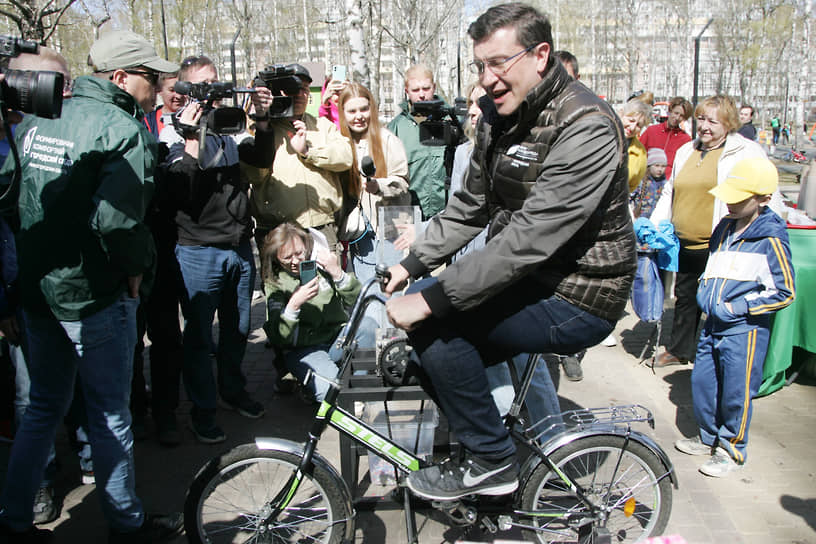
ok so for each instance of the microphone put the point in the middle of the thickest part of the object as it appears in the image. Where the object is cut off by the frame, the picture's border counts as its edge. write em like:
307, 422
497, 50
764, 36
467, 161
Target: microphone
367, 167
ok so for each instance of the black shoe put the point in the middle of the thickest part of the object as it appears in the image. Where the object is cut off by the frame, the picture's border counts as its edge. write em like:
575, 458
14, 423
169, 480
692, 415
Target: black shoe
245, 406
572, 369
208, 432
30, 536
473, 476
155, 528
46, 509
167, 431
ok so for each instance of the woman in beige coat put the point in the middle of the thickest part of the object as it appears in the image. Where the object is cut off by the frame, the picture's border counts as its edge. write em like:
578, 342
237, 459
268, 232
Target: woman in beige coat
388, 187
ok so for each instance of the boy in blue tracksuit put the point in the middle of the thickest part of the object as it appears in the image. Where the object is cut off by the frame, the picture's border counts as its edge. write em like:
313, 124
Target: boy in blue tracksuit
748, 277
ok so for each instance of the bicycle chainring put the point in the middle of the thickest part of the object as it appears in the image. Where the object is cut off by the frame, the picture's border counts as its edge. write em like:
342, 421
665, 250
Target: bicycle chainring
393, 363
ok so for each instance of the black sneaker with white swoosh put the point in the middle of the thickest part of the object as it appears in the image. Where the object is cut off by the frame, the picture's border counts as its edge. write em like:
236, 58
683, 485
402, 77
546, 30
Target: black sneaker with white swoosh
472, 476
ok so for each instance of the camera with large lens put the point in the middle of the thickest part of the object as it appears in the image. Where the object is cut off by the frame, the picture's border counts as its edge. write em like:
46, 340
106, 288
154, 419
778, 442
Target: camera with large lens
441, 126
217, 120
37, 92
280, 78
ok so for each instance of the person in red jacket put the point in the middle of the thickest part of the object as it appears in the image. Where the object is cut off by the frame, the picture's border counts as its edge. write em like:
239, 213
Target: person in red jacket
171, 102
669, 136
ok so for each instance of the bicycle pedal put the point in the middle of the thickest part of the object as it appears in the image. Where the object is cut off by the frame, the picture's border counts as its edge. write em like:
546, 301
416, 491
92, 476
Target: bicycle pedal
489, 526
457, 513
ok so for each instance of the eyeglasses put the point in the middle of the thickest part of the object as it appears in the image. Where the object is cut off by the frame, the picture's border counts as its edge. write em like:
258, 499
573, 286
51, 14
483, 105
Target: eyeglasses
496, 65
299, 256
151, 77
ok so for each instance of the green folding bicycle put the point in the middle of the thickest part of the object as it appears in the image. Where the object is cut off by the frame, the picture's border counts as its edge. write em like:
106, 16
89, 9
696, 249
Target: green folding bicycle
590, 477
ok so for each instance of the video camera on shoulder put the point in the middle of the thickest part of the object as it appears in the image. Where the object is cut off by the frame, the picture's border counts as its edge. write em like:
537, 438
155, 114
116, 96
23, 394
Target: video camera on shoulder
29, 91
215, 119
441, 126
280, 78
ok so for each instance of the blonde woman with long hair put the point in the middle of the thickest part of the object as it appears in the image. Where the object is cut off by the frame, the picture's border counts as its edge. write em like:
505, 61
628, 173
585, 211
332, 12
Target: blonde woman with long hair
359, 121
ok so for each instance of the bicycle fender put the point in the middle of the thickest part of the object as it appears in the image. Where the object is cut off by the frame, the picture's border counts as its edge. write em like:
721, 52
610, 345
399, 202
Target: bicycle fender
568, 437
295, 448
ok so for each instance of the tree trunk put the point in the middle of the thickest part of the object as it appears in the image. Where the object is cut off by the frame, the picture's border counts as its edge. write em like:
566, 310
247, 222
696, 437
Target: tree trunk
356, 39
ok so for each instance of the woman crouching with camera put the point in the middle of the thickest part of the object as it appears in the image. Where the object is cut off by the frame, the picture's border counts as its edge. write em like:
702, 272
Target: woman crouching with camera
306, 301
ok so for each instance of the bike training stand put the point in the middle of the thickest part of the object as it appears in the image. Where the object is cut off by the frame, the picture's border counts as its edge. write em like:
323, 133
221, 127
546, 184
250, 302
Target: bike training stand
362, 384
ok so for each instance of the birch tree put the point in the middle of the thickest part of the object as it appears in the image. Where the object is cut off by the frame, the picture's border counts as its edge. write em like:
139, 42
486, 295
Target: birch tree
356, 42
36, 20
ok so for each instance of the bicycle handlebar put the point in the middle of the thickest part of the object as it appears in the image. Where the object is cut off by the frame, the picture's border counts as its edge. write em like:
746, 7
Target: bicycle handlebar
349, 330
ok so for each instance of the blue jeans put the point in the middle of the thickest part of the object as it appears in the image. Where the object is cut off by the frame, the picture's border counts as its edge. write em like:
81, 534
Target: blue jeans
322, 360
215, 279
454, 351
22, 387
98, 348
75, 421
542, 399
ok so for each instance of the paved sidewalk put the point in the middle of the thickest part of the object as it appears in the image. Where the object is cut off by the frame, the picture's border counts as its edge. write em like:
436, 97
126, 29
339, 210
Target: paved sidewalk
773, 499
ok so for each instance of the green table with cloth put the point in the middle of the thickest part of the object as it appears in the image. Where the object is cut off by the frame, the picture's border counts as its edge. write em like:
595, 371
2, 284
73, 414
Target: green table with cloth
790, 326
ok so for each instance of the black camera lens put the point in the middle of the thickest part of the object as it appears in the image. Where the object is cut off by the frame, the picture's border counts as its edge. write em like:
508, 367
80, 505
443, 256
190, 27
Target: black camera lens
37, 92
226, 120
281, 107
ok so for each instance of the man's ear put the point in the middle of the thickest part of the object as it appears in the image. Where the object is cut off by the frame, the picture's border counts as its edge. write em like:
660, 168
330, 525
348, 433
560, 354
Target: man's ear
542, 52
119, 78
764, 200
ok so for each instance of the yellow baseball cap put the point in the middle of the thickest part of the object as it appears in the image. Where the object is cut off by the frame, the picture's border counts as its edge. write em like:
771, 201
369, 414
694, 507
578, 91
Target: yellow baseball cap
749, 177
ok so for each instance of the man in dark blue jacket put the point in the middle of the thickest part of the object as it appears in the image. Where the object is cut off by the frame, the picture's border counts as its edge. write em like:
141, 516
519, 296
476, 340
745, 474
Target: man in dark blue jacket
211, 203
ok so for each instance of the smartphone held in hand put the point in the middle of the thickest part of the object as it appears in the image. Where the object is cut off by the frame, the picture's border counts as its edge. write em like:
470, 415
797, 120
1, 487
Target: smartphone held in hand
308, 271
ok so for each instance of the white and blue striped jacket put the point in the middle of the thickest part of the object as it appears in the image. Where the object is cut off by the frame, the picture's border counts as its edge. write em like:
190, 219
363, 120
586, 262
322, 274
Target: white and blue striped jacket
752, 271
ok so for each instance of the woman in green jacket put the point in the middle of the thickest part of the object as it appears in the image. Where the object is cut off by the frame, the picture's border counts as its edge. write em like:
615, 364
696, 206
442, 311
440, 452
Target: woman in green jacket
304, 320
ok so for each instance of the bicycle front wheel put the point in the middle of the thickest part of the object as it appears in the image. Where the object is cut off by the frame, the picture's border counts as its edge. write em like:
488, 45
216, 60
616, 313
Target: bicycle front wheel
231, 497
630, 485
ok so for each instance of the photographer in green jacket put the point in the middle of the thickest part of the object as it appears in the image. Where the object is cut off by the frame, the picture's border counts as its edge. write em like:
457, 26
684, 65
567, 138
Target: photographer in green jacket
83, 251
426, 163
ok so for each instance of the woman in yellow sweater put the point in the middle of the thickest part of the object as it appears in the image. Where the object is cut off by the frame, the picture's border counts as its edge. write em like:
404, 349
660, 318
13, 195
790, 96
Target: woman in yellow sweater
699, 166
635, 115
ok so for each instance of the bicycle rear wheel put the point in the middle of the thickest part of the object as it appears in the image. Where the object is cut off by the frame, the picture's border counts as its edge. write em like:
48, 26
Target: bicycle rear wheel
635, 493
230, 497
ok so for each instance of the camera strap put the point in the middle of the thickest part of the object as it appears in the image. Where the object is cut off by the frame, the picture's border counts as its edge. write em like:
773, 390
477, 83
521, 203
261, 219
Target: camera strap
217, 156
8, 199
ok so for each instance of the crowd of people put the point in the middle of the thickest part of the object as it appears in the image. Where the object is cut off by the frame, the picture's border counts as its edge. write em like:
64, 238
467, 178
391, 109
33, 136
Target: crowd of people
529, 232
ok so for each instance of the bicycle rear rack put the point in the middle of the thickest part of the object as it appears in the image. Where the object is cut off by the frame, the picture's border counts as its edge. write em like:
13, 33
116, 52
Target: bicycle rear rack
585, 418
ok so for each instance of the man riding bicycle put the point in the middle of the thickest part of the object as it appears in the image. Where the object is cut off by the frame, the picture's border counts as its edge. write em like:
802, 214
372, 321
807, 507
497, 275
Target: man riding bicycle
549, 175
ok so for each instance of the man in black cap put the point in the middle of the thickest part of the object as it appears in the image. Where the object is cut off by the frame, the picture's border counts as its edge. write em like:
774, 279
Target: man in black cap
214, 252
303, 184
83, 250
